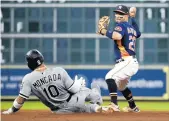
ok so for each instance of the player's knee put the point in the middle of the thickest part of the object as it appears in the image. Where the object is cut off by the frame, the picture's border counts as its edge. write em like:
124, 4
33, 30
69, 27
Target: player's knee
112, 86
111, 82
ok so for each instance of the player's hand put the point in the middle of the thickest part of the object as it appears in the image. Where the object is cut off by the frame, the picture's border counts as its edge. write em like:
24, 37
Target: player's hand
132, 11
81, 80
9, 111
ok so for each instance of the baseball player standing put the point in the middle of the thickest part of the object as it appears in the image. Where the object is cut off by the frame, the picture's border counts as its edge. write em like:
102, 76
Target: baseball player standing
55, 89
124, 36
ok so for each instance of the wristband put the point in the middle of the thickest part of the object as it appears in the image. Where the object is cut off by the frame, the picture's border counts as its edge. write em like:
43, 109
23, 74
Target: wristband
16, 106
14, 109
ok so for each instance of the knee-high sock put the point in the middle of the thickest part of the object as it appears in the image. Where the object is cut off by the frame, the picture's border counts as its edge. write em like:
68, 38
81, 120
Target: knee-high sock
128, 95
112, 90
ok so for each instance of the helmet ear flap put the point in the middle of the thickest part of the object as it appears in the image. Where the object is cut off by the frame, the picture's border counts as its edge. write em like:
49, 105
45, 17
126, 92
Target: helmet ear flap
31, 67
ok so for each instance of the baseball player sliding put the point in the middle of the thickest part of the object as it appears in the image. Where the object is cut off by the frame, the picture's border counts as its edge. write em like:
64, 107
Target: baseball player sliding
55, 89
124, 36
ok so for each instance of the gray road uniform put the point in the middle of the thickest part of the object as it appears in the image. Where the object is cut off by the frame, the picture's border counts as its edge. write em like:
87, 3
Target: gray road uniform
58, 91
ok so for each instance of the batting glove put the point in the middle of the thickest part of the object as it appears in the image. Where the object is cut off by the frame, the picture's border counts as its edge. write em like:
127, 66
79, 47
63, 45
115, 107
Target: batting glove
81, 80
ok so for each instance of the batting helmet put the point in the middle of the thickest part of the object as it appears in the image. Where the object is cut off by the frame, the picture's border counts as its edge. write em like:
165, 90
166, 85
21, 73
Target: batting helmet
121, 9
34, 59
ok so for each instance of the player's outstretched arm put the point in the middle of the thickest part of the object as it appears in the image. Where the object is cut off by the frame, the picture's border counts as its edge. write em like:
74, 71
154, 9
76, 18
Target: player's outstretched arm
132, 13
25, 91
17, 104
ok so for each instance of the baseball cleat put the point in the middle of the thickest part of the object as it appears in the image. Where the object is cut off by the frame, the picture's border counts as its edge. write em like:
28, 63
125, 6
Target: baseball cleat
128, 109
114, 107
98, 109
105, 109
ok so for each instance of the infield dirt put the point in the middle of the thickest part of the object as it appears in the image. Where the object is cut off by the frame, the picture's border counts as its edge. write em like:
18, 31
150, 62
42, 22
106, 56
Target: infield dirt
46, 115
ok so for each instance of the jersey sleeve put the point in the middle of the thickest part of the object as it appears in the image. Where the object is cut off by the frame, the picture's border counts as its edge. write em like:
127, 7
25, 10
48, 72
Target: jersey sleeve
120, 29
71, 85
134, 24
25, 89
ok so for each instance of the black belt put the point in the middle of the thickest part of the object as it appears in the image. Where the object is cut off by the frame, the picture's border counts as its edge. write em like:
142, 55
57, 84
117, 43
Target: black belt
68, 99
134, 56
121, 59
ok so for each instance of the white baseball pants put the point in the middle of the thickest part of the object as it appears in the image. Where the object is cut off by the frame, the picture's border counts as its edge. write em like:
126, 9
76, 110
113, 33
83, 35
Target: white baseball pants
123, 71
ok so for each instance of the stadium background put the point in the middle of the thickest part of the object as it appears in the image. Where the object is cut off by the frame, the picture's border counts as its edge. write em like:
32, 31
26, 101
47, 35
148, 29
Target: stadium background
65, 32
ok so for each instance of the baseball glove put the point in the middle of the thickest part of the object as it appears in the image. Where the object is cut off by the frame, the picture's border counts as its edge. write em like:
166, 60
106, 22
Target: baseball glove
103, 23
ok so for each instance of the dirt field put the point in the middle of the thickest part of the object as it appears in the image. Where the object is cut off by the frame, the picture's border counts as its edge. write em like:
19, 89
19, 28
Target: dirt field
48, 116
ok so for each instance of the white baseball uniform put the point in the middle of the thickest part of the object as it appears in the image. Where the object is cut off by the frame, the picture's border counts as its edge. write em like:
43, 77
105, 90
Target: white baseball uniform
58, 91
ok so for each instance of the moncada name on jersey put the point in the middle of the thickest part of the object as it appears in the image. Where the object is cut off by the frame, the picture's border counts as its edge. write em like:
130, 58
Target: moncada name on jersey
46, 79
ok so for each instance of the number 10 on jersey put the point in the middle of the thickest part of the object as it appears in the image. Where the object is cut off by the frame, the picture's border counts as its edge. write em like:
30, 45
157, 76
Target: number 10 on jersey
51, 91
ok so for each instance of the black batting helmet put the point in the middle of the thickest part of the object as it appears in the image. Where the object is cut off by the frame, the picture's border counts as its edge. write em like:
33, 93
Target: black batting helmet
34, 59
122, 9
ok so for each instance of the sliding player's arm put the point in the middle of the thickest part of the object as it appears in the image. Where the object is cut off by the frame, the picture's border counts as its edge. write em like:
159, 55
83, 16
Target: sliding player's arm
24, 94
17, 104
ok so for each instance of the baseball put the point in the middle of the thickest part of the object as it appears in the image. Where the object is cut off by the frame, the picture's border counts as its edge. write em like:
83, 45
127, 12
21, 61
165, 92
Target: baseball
132, 11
